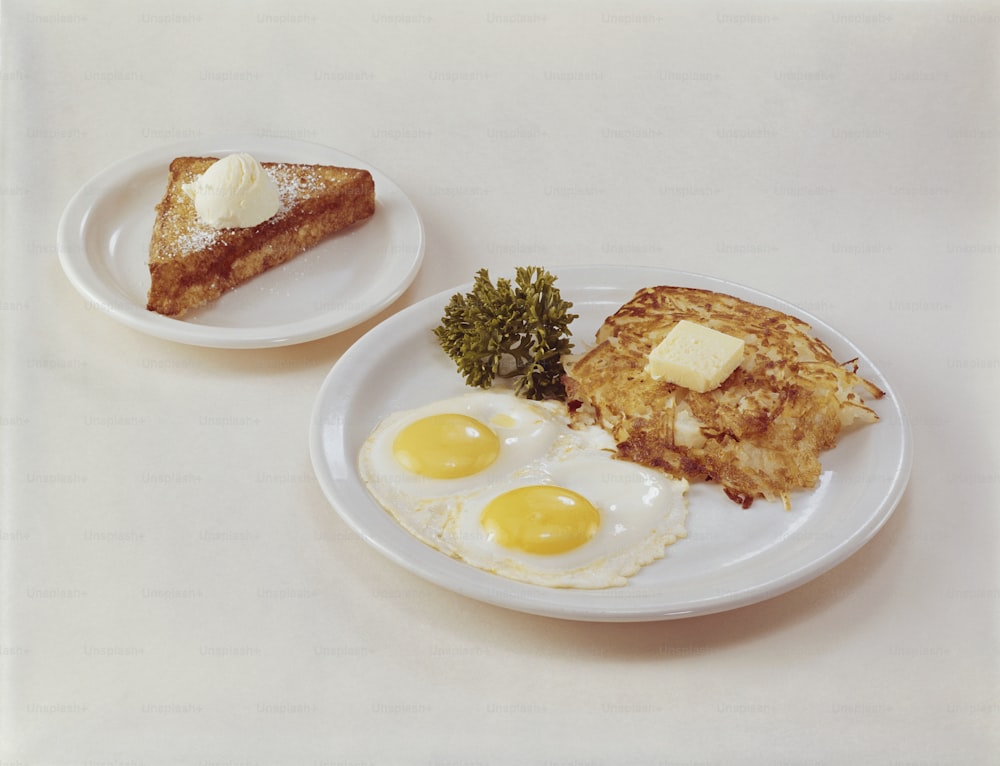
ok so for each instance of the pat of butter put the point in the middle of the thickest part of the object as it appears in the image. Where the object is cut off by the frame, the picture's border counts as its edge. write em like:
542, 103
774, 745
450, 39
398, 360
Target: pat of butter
695, 357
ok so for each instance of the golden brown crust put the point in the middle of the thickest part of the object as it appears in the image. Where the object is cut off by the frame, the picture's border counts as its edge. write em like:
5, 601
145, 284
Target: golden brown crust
759, 434
191, 264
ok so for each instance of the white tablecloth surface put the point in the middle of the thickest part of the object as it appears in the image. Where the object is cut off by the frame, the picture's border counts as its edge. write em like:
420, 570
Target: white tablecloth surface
176, 589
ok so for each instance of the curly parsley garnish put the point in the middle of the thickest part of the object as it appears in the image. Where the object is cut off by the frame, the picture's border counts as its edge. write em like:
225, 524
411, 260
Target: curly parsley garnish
518, 330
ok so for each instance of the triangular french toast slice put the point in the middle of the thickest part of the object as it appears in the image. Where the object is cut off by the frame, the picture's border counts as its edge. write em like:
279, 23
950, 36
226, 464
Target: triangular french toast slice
191, 263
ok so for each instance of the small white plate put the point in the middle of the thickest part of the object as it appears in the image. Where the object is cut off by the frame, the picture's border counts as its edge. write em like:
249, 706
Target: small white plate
104, 234
732, 557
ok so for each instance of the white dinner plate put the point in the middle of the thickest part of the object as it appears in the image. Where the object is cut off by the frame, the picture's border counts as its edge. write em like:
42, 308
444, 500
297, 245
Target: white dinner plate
731, 557
103, 241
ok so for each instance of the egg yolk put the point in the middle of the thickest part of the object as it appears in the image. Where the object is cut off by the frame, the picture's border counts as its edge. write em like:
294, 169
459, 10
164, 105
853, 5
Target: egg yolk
446, 446
540, 519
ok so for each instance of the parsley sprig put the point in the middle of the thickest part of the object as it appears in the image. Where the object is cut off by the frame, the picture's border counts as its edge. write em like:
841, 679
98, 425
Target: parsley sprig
518, 330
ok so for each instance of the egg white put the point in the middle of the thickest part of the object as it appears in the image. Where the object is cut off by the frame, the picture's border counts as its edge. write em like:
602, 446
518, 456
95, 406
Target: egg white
526, 429
642, 510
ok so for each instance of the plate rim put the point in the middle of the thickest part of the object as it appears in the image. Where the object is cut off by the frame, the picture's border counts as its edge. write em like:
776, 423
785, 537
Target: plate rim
539, 600
74, 258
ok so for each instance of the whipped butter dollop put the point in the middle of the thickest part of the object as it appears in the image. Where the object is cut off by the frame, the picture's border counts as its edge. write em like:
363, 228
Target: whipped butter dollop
235, 191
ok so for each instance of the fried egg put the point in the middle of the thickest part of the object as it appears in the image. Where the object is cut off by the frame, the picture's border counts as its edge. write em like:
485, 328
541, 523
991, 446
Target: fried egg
455, 445
508, 486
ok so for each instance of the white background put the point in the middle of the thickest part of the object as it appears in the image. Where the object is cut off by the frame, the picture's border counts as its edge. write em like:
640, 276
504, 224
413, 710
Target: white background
177, 590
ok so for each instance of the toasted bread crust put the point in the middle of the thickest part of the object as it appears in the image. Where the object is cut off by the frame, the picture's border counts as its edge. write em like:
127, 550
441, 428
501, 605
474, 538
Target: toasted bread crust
191, 263
759, 434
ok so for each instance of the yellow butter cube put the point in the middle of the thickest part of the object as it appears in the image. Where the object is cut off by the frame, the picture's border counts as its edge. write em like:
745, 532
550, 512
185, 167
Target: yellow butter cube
695, 357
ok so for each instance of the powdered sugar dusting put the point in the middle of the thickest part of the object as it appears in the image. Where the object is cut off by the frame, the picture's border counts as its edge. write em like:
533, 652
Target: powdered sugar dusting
198, 237
294, 182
